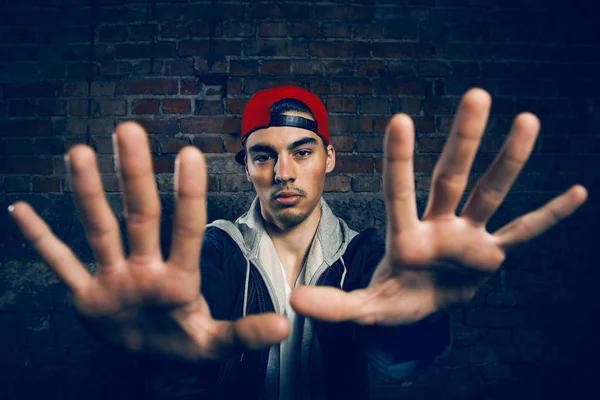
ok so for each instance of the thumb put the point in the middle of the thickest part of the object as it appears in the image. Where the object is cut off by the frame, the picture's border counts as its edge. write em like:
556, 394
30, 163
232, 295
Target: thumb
331, 304
254, 332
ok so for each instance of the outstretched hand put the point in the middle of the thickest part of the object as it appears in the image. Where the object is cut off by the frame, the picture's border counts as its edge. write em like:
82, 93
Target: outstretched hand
140, 301
444, 258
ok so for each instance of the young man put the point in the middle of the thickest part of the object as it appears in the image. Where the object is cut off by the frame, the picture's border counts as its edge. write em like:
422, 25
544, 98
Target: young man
292, 302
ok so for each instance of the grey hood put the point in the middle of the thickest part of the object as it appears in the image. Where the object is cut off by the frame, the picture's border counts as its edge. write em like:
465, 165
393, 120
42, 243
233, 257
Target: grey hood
329, 244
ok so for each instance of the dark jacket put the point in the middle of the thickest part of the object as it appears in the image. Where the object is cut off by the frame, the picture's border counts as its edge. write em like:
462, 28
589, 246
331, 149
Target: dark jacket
235, 284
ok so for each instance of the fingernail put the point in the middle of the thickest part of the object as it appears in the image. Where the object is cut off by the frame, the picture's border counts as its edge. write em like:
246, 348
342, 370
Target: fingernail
11, 208
116, 150
67, 159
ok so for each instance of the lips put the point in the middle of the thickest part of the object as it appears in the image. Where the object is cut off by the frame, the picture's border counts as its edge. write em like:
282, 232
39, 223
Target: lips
288, 198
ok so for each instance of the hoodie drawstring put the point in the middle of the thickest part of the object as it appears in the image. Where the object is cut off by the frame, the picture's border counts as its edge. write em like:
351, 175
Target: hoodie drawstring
343, 273
246, 284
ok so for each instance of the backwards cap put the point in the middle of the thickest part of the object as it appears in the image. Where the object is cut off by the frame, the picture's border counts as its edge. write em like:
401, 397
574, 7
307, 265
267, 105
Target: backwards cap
257, 114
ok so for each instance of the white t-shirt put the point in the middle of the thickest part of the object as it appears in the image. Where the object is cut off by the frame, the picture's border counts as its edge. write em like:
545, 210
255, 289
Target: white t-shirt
290, 349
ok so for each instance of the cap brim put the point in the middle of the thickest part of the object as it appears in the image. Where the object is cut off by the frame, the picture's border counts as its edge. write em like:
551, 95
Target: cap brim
240, 157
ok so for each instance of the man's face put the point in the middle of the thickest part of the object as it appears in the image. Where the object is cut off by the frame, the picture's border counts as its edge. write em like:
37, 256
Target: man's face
287, 167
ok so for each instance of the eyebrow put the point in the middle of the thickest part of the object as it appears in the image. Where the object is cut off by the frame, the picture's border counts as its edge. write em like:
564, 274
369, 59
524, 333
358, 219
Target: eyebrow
264, 148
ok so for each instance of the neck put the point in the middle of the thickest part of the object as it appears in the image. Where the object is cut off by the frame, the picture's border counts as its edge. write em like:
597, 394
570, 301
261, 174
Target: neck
292, 244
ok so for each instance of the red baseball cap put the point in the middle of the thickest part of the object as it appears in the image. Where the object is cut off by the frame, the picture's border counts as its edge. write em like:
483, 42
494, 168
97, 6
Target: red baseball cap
257, 114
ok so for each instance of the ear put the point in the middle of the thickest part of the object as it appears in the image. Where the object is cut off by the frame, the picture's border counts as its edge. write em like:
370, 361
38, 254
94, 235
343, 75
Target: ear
246, 170
330, 162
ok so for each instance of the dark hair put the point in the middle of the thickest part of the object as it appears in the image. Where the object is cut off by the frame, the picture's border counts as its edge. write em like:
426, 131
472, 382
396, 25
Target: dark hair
289, 104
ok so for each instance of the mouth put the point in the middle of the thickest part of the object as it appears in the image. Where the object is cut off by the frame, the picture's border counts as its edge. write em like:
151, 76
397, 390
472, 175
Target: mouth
288, 198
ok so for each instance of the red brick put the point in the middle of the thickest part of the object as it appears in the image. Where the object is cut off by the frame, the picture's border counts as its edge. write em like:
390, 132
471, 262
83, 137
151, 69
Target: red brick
16, 146
236, 105
189, 86
342, 143
407, 105
177, 106
160, 126
203, 107
75, 89
25, 127
307, 67
46, 184
235, 183
14, 184
193, 48
233, 144
165, 164
430, 144
47, 108
116, 33
273, 29
79, 108
179, 68
339, 67
102, 145
175, 30
53, 145
424, 124
345, 12
232, 125
22, 108
236, 29
339, 49
367, 31
275, 67
279, 11
374, 124
148, 86
243, 68
26, 165
341, 104
371, 68
110, 183
209, 144
142, 32
103, 89
112, 107
337, 183
372, 105
234, 86
366, 183
353, 163
336, 30
202, 125
172, 145
367, 144
275, 48
394, 50
438, 105
145, 106
304, 29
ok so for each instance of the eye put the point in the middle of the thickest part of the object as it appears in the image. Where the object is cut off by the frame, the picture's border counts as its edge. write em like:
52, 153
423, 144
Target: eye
261, 158
303, 153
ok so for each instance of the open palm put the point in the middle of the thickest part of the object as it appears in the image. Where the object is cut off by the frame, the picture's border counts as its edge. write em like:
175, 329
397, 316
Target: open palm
443, 258
141, 301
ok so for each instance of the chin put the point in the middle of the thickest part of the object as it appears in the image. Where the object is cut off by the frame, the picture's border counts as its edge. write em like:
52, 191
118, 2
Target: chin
290, 217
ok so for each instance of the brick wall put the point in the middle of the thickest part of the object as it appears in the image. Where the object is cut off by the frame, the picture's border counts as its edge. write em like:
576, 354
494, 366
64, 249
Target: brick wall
71, 69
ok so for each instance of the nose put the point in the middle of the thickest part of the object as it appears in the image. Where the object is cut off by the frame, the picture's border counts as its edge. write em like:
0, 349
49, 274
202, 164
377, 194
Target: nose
284, 169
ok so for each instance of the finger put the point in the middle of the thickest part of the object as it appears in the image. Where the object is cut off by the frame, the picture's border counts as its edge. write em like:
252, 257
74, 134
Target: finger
398, 174
451, 172
142, 205
497, 181
536, 222
190, 208
331, 304
254, 332
101, 226
58, 256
